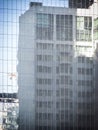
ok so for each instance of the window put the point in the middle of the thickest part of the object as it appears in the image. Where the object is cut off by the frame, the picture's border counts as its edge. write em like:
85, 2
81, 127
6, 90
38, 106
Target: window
50, 116
39, 68
43, 69
71, 105
44, 104
49, 92
44, 46
64, 68
39, 104
84, 27
45, 116
81, 105
41, 81
57, 93
84, 94
57, 81
65, 91
71, 81
64, 27
89, 60
81, 71
88, 23
39, 57
39, 92
96, 28
44, 92
57, 104
57, 116
65, 80
44, 27
57, 70
50, 104
64, 47
62, 92
71, 117
81, 59
62, 103
85, 83
87, 71
40, 116
62, 116
71, 70
44, 58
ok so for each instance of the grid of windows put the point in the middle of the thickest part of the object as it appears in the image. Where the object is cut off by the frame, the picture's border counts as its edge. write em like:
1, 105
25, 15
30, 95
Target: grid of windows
87, 71
44, 27
83, 59
65, 80
84, 28
44, 104
64, 68
44, 46
65, 92
44, 57
87, 83
84, 94
64, 27
63, 58
44, 92
44, 69
64, 47
44, 81
44, 116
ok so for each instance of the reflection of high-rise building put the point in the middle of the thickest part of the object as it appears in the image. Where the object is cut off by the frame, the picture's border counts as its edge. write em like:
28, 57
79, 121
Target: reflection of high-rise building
56, 69
9, 109
80, 3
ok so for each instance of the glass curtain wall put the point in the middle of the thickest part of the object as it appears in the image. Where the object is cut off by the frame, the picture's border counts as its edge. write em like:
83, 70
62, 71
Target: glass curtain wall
48, 64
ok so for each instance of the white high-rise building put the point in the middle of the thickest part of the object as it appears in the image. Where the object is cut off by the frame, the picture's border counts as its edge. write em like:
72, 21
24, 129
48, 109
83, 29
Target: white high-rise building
56, 73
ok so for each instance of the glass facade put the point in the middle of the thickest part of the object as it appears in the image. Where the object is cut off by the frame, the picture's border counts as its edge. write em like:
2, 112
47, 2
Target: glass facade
84, 28
49, 65
44, 27
96, 29
64, 27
